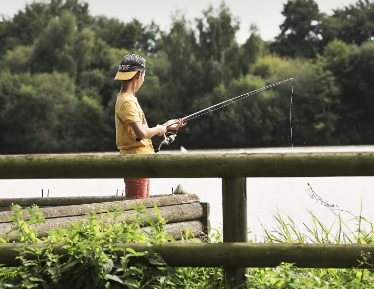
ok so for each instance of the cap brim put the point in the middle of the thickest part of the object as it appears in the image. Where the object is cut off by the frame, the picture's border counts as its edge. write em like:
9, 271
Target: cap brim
125, 75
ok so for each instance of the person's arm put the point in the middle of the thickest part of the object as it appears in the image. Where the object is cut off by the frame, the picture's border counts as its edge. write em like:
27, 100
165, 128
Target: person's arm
175, 126
142, 132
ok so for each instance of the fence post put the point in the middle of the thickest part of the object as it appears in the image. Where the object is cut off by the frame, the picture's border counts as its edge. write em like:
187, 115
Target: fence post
234, 210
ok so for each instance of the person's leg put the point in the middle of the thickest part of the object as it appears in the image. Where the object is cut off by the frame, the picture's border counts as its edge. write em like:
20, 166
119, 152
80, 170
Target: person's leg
148, 182
136, 188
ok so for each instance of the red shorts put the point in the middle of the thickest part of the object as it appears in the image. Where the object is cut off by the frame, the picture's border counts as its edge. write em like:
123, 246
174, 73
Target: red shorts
137, 188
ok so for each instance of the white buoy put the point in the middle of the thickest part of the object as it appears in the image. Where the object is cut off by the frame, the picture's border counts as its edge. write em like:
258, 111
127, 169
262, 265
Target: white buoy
179, 190
183, 150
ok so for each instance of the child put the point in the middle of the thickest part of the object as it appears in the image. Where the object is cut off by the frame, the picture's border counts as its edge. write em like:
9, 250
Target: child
131, 123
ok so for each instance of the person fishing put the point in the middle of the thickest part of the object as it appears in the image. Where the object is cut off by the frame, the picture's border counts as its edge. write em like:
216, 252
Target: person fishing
133, 136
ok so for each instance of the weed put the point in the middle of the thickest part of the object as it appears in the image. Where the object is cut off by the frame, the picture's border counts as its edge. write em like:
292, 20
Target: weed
94, 261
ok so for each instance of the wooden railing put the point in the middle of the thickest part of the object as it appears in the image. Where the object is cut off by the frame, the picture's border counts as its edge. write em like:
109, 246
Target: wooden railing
233, 169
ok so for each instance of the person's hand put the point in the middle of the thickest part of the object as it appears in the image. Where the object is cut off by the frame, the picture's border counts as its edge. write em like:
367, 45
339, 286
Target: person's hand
161, 129
178, 123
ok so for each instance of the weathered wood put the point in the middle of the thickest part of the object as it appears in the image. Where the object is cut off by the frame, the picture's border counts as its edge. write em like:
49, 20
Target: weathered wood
187, 165
79, 210
59, 201
206, 208
176, 229
8, 255
173, 214
205, 218
234, 211
233, 254
62, 201
191, 241
207, 226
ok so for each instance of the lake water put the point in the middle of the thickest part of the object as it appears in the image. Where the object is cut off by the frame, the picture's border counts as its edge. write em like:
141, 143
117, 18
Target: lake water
265, 195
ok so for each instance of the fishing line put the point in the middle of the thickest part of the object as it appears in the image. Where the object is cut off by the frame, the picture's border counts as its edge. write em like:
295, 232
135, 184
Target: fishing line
291, 114
313, 195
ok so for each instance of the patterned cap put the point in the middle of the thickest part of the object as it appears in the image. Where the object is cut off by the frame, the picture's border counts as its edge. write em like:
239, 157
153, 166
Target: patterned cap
129, 65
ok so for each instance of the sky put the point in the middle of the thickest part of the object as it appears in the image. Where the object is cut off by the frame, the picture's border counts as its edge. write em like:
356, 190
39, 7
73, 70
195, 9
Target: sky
266, 14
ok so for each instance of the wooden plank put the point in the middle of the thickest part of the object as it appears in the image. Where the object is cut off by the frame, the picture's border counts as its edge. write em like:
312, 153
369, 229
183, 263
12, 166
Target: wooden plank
206, 208
63, 201
173, 214
207, 226
59, 201
177, 230
83, 209
234, 211
231, 254
187, 165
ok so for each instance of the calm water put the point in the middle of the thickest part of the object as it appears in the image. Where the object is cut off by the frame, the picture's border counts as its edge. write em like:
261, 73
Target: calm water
265, 195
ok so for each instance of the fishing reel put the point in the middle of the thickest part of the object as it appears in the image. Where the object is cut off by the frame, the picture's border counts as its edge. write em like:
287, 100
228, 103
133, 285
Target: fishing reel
169, 137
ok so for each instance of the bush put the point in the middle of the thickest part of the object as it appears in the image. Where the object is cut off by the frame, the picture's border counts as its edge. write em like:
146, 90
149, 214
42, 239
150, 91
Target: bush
95, 261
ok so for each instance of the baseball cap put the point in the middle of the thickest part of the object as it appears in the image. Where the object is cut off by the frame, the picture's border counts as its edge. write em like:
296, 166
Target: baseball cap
129, 65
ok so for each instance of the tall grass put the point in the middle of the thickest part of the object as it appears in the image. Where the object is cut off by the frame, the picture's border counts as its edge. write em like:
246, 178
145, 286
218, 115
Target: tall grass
93, 262
339, 232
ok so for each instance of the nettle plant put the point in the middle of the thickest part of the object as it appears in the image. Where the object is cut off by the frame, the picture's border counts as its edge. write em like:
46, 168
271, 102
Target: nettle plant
94, 261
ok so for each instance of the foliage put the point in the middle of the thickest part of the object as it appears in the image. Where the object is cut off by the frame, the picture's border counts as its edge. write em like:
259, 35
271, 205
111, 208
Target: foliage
95, 262
354, 24
356, 96
194, 64
26, 25
251, 50
300, 29
129, 36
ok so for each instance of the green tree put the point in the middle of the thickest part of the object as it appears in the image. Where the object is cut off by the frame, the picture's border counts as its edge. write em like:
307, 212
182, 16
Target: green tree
357, 108
183, 81
216, 39
316, 103
251, 50
131, 35
180, 46
355, 22
301, 31
18, 59
40, 113
336, 57
248, 123
54, 47
78, 8
27, 24
90, 130
61, 47
37, 113
24, 27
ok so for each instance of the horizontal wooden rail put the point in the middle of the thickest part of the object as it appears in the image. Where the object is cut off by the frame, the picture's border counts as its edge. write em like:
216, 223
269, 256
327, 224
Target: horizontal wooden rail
187, 165
232, 254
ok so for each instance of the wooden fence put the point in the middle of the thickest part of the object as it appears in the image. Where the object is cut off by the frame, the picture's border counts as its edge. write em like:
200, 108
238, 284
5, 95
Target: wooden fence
233, 169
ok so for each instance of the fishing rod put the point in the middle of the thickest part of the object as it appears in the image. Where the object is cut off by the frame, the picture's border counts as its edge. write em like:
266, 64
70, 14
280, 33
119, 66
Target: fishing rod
169, 137
228, 102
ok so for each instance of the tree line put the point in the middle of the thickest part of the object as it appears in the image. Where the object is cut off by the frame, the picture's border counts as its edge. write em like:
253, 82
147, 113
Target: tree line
57, 64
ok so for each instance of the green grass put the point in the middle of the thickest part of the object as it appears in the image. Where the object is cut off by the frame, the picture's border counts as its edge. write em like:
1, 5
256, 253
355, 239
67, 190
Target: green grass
94, 263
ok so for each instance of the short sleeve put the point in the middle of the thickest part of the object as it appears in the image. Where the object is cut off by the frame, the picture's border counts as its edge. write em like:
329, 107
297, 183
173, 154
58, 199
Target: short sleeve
129, 112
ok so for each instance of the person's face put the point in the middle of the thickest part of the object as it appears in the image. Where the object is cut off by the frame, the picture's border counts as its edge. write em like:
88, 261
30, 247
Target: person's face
140, 80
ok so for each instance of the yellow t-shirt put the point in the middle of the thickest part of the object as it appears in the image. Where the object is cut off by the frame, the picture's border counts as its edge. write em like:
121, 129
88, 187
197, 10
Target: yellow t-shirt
128, 111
